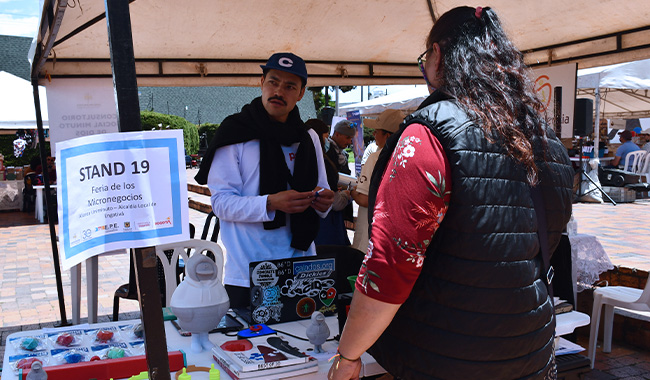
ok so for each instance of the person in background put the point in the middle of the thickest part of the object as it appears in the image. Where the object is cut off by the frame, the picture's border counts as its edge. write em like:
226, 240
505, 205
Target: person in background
266, 174
645, 140
332, 229
626, 147
383, 127
453, 285
344, 132
370, 149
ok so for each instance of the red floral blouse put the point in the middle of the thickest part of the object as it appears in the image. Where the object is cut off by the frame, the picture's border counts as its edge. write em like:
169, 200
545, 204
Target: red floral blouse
411, 202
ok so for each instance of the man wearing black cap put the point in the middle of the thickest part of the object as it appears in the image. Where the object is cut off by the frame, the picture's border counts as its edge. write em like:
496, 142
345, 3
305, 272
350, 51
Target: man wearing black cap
266, 174
344, 132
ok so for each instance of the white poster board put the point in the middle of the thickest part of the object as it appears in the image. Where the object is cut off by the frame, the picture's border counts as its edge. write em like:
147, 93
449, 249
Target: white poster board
80, 107
563, 78
120, 190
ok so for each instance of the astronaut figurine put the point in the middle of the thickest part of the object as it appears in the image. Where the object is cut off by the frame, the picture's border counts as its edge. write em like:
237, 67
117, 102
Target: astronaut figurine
318, 332
200, 301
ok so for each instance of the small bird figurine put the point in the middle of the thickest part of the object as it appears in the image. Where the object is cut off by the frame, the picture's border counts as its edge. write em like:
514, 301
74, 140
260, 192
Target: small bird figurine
318, 332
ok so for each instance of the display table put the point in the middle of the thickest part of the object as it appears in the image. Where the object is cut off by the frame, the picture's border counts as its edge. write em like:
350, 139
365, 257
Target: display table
39, 211
177, 342
11, 195
565, 324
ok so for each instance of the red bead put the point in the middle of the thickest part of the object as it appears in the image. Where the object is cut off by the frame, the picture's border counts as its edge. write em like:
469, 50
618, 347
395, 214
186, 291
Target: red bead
65, 339
104, 335
27, 363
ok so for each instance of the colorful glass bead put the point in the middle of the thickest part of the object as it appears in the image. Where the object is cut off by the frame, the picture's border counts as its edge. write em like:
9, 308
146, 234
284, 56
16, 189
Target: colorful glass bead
95, 358
65, 339
26, 363
104, 335
29, 344
115, 353
72, 357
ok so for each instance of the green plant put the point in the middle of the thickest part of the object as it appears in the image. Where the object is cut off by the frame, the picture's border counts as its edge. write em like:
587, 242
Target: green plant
158, 121
209, 129
319, 97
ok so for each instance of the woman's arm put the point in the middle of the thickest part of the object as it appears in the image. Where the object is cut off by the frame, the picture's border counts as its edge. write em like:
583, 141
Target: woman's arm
367, 320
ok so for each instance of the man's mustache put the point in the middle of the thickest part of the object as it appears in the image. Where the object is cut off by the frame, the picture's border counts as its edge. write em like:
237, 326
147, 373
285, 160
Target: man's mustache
279, 98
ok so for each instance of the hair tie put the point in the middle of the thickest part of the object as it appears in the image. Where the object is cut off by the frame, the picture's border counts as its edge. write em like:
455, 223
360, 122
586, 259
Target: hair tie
478, 13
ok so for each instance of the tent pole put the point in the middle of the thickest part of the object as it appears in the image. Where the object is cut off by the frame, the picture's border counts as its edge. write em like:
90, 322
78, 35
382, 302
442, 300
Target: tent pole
597, 122
118, 20
50, 206
336, 100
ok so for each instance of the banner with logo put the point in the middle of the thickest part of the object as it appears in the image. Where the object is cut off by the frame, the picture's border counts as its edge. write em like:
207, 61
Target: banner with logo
120, 190
556, 87
80, 107
357, 143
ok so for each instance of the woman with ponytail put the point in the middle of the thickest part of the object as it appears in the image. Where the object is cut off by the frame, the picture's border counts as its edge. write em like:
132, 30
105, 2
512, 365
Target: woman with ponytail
454, 284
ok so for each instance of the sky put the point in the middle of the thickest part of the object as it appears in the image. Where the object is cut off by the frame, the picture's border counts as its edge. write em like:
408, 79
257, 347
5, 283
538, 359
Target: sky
19, 17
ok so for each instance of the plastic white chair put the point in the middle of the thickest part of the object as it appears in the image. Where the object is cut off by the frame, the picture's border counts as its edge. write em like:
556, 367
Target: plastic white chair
610, 297
644, 167
181, 250
632, 160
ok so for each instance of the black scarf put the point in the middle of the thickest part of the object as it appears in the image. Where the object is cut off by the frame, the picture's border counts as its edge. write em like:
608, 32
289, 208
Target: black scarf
254, 123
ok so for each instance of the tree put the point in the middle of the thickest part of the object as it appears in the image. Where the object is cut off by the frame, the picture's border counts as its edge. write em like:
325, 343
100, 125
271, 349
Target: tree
156, 121
319, 97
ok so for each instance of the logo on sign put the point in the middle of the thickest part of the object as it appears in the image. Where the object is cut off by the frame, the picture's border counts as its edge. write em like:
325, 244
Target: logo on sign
163, 222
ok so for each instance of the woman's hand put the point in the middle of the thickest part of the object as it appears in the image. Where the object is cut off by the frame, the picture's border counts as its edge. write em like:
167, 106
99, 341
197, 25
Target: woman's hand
343, 369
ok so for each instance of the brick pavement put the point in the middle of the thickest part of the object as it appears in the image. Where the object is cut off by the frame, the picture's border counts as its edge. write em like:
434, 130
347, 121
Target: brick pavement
623, 230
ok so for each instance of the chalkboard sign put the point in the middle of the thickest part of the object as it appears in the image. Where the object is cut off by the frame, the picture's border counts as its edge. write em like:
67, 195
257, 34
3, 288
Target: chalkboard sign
291, 289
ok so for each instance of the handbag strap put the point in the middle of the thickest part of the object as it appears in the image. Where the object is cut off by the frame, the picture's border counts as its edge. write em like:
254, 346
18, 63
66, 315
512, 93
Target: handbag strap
542, 234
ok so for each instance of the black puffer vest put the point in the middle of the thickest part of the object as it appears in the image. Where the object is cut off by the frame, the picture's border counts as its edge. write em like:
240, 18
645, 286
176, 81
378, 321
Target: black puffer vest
479, 309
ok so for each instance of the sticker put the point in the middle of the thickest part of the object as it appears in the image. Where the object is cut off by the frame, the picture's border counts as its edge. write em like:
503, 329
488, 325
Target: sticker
305, 307
265, 274
328, 296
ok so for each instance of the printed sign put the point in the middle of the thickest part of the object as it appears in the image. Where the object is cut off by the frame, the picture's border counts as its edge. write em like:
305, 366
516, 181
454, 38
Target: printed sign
556, 80
357, 143
80, 107
120, 190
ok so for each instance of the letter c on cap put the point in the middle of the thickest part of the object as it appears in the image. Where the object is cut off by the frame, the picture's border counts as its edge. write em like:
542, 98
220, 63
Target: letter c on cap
285, 62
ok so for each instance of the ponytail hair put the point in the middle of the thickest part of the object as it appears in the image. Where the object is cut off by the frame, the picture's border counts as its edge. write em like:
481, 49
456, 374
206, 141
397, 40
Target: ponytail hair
487, 75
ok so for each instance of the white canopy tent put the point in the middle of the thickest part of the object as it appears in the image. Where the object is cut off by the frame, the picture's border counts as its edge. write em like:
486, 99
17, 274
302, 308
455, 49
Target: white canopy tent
407, 101
222, 43
621, 90
17, 103
624, 89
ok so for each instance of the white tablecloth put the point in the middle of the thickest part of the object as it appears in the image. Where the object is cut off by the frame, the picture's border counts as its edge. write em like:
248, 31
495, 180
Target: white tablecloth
11, 195
589, 259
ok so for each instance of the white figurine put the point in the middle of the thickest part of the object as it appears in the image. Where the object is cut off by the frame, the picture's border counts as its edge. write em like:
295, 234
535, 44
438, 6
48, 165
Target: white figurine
318, 332
200, 301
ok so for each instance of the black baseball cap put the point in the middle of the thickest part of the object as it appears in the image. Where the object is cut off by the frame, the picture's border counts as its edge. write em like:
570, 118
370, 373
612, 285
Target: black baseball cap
287, 62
